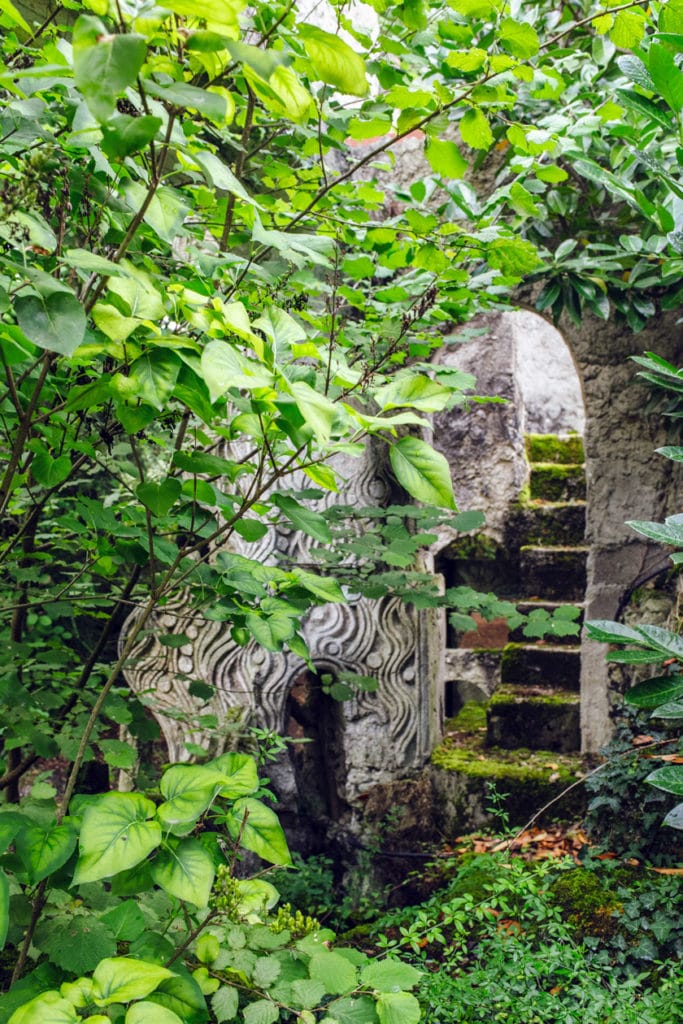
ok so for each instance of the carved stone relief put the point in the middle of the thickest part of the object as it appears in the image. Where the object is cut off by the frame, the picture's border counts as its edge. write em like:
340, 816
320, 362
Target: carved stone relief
379, 736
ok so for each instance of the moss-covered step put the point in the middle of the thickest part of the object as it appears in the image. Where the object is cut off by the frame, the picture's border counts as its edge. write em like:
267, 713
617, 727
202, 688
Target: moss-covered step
550, 482
463, 770
528, 716
559, 523
556, 448
553, 573
550, 666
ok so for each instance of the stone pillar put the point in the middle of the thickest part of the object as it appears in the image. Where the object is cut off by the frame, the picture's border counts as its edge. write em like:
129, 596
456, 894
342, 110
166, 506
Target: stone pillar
374, 737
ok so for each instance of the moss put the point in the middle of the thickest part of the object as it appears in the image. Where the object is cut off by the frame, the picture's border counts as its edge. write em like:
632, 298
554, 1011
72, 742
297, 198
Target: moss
498, 765
587, 905
478, 546
472, 716
511, 694
557, 483
551, 448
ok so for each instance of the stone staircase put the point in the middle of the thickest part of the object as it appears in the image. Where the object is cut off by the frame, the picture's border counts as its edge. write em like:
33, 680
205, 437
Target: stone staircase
528, 689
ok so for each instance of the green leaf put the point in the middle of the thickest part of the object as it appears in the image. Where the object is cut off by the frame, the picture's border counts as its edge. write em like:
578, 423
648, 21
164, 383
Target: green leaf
160, 497
672, 711
9, 11
307, 993
318, 411
179, 94
518, 38
224, 367
4, 908
124, 135
50, 472
165, 212
76, 943
674, 818
224, 1004
280, 327
423, 472
652, 692
415, 392
334, 971
271, 631
185, 870
182, 994
262, 832
669, 778
116, 834
324, 587
333, 60
105, 65
120, 979
153, 376
607, 632
256, 896
475, 129
55, 322
263, 1011
444, 158
666, 75
628, 29
237, 774
670, 644
390, 975
151, 1013
189, 791
43, 851
118, 753
354, 1010
126, 921
219, 12
398, 1008
48, 1008
304, 519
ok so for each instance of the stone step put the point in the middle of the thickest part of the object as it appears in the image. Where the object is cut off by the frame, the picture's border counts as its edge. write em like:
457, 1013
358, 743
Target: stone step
557, 448
556, 523
527, 607
528, 716
553, 573
551, 482
548, 666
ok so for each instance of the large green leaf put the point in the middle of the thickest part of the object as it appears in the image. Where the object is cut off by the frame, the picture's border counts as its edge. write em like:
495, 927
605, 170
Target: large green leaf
475, 129
124, 134
224, 367
666, 76
160, 497
518, 38
148, 1012
423, 472
416, 392
263, 1011
334, 971
236, 773
333, 60
674, 818
120, 979
48, 1008
669, 778
445, 158
182, 994
189, 791
354, 1010
671, 711
664, 640
258, 829
42, 850
608, 632
55, 322
652, 692
217, 12
116, 834
389, 975
185, 870
153, 376
105, 65
398, 1008
318, 411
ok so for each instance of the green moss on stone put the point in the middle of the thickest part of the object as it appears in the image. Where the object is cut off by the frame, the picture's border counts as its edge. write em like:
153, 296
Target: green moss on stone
498, 765
478, 546
588, 906
472, 716
551, 448
551, 482
505, 695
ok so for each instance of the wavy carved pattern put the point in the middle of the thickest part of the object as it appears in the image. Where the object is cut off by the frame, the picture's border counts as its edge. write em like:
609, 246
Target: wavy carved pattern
385, 733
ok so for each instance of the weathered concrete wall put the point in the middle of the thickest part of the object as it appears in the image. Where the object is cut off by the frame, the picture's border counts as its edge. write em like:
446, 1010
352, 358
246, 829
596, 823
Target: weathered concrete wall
548, 382
625, 480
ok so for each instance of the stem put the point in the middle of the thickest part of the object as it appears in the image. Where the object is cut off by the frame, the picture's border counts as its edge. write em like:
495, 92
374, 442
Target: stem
191, 937
239, 167
38, 904
25, 424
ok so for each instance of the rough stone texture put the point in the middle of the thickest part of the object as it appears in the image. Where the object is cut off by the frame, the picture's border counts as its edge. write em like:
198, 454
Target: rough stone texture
625, 480
470, 675
547, 665
524, 716
373, 738
484, 444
